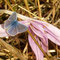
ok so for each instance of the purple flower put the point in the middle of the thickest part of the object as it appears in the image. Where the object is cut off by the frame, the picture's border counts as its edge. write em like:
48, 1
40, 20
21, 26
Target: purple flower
42, 31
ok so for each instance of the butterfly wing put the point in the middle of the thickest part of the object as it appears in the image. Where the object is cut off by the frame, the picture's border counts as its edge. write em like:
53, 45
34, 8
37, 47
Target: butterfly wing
12, 31
16, 28
13, 17
21, 28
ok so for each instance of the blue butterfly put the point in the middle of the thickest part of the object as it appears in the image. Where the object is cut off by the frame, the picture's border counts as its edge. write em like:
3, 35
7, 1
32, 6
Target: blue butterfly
13, 27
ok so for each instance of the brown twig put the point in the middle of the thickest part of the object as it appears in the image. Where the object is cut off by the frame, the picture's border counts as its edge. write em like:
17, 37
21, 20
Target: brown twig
27, 7
7, 2
13, 50
39, 9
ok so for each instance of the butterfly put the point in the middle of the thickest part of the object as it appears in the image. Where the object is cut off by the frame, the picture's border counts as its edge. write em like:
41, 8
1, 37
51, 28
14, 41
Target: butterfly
13, 27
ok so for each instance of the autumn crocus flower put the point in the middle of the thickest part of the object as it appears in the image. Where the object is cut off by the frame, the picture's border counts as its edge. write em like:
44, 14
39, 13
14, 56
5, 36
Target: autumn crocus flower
42, 31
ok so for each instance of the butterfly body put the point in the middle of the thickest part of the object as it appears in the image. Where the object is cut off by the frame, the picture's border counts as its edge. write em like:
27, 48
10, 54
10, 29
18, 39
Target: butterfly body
13, 27
13, 23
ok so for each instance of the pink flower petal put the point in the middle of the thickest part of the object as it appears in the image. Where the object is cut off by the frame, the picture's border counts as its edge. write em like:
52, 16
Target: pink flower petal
38, 26
36, 50
45, 47
3, 32
39, 34
56, 41
51, 31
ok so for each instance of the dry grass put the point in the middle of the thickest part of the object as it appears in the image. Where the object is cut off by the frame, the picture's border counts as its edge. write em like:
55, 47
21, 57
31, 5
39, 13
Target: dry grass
47, 9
